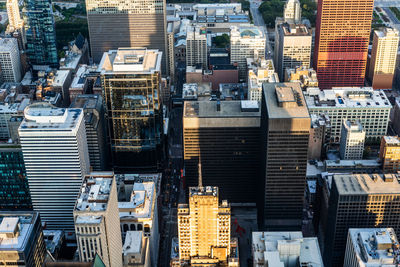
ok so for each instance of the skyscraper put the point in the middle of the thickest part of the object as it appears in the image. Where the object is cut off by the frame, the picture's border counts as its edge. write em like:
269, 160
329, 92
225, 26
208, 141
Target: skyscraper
14, 189
97, 220
204, 228
225, 137
341, 42
10, 62
389, 153
383, 58
56, 158
285, 126
352, 140
246, 42
96, 130
117, 23
131, 80
292, 47
356, 200
40, 33
196, 46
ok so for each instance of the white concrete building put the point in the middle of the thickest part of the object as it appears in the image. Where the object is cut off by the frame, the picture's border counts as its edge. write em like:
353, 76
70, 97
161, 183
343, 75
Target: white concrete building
292, 11
292, 47
246, 42
136, 250
285, 249
10, 61
137, 204
352, 140
370, 107
258, 72
383, 58
196, 46
96, 220
372, 247
56, 157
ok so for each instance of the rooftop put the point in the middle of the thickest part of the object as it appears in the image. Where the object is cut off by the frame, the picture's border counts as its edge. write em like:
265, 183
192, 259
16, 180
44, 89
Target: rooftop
294, 29
362, 184
133, 242
192, 91
285, 249
95, 192
392, 140
6, 44
353, 126
203, 190
44, 116
16, 229
285, 100
209, 109
375, 247
137, 201
248, 32
130, 60
347, 97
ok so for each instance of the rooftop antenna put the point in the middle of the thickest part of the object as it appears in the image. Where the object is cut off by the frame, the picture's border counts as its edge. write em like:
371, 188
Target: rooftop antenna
200, 174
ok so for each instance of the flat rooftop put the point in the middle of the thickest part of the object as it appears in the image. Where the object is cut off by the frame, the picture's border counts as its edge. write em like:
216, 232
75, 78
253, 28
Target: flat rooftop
347, 97
140, 201
203, 190
277, 248
248, 32
362, 184
392, 140
133, 242
16, 229
372, 244
208, 109
87, 101
130, 60
294, 29
285, 100
7, 44
95, 192
44, 116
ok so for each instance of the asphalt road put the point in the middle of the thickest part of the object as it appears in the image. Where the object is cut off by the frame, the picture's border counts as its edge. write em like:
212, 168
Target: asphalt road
259, 21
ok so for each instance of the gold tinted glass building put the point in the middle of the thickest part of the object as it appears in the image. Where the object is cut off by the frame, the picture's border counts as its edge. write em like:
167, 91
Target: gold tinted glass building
131, 80
204, 229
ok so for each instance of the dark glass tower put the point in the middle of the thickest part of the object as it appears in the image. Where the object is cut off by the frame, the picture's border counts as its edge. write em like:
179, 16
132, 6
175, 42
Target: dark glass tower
41, 33
14, 190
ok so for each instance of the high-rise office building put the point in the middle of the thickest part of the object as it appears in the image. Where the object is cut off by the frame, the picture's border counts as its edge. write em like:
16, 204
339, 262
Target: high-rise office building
352, 140
292, 47
389, 153
97, 221
131, 80
96, 129
341, 42
10, 62
204, 229
356, 200
117, 23
14, 189
292, 11
246, 42
285, 249
225, 137
14, 17
196, 46
22, 242
381, 245
382, 64
370, 107
40, 33
54, 146
285, 126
